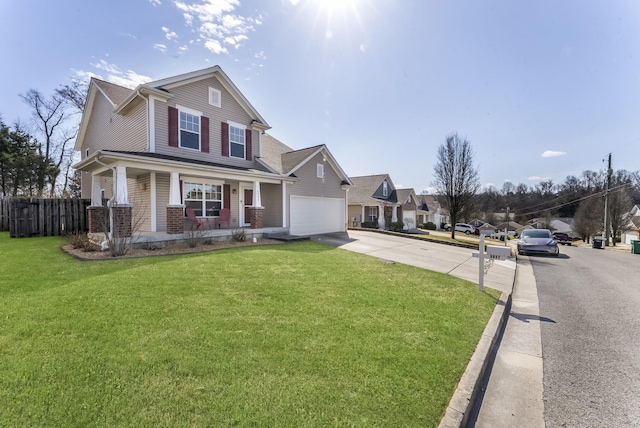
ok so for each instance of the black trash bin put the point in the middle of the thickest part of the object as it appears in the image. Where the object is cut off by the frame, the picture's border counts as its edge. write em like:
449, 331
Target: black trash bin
597, 243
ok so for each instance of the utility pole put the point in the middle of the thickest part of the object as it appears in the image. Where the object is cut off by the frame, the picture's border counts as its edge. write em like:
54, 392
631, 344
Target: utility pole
607, 219
506, 229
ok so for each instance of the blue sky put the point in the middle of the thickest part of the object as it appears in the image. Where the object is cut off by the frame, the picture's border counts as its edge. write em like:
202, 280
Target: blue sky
541, 89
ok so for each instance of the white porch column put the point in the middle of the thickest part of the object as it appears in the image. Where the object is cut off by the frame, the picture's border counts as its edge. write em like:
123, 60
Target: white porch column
120, 184
96, 194
394, 216
154, 208
174, 189
257, 198
362, 218
284, 204
381, 221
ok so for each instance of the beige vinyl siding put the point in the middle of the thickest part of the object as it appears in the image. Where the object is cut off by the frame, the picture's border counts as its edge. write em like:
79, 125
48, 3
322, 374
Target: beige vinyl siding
139, 189
196, 96
272, 202
310, 185
162, 200
107, 130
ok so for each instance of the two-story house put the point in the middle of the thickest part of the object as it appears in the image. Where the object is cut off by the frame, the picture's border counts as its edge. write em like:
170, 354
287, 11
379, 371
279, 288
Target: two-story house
194, 141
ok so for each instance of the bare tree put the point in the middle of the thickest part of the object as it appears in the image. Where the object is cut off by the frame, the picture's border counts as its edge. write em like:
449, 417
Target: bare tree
52, 119
620, 203
588, 218
456, 178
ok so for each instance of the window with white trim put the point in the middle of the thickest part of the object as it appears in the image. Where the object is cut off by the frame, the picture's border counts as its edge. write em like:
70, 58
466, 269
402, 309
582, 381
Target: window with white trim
204, 198
320, 170
385, 189
215, 98
189, 130
372, 214
236, 141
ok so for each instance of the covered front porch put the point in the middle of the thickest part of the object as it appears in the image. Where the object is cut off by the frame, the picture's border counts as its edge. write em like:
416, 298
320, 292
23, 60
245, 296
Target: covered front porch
150, 195
381, 214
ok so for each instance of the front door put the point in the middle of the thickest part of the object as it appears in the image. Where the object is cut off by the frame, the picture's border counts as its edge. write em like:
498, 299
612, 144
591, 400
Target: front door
246, 200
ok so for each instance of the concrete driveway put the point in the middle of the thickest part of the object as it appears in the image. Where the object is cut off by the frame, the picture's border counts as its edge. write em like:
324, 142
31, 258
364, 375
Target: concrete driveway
442, 258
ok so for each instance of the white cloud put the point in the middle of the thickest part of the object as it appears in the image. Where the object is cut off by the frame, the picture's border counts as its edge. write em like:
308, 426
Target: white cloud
84, 76
128, 79
215, 47
155, 2
261, 55
294, 2
160, 47
538, 178
552, 154
183, 48
170, 35
217, 24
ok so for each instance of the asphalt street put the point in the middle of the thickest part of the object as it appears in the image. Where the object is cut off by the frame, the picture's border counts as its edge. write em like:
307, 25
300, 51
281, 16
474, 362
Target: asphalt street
589, 303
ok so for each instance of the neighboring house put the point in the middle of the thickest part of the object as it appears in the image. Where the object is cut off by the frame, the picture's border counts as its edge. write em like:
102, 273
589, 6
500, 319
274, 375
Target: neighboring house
430, 210
194, 141
562, 225
373, 200
409, 207
631, 231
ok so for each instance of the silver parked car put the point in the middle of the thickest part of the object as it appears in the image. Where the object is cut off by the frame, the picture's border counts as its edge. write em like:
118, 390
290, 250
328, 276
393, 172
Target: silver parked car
537, 241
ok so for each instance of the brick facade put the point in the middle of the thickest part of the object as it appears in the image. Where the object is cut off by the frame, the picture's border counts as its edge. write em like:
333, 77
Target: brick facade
97, 217
175, 219
256, 215
122, 220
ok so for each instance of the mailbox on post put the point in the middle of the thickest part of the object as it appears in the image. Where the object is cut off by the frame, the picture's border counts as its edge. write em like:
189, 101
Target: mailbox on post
498, 253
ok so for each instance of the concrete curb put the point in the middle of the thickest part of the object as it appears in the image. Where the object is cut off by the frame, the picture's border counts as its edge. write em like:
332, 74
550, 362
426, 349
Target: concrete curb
419, 238
466, 393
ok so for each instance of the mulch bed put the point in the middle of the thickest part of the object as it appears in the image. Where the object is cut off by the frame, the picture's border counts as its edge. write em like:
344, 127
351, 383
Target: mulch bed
82, 254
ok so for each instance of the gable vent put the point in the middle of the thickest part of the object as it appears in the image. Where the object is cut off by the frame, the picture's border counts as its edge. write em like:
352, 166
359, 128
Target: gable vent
214, 97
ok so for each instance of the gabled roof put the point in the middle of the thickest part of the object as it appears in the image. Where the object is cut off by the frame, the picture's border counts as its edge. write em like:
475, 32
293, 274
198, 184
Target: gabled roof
122, 99
114, 93
403, 195
165, 85
282, 159
429, 203
366, 186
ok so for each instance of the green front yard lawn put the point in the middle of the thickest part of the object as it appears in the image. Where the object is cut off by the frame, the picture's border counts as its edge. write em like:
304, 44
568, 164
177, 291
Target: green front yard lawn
296, 334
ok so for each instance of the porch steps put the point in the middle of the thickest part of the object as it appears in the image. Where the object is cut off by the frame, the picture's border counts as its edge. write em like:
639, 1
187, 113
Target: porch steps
287, 238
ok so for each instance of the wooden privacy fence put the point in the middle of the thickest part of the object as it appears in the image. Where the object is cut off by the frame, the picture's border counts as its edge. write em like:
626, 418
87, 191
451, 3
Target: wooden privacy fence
47, 217
5, 203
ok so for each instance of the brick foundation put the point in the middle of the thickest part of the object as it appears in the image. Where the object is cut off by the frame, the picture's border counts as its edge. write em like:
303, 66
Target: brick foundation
122, 221
175, 219
97, 217
256, 215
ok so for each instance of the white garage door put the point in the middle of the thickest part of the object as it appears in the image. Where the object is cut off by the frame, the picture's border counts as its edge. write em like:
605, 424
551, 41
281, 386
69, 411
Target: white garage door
310, 216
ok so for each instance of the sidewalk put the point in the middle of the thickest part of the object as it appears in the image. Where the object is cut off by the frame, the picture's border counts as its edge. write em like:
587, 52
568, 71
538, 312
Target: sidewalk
513, 396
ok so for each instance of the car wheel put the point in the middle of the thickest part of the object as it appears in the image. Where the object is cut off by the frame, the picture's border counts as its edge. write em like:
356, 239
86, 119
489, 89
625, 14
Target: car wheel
466, 232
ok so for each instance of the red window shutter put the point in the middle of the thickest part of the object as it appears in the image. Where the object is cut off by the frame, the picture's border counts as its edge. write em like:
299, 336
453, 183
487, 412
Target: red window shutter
226, 197
247, 141
173, 126
225, 139
204, 134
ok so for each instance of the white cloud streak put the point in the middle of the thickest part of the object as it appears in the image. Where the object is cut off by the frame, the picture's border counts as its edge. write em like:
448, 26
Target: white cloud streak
552, 154
128, 79
160, 47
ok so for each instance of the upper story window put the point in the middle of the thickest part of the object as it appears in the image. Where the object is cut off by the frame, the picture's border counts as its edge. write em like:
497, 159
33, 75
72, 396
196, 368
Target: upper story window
189, 130
237, 140
320, 170
385, 189
215, 98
